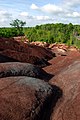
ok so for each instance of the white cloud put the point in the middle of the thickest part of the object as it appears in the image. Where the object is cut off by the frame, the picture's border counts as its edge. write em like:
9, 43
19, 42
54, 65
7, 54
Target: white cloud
5, 14
48, 8
34, 7
73, 15
72, 3
32, 20
51, 8
24, 14
38, 18
27, 16
5, 17
65, 11
42, 18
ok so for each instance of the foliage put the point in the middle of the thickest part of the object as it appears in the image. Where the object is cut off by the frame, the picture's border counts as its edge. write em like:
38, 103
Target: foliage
18, 24
51, 33
8, 32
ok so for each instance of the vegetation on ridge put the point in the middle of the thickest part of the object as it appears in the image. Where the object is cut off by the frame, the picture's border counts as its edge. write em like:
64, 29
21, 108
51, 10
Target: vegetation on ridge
15, 30
50, 33
18, 24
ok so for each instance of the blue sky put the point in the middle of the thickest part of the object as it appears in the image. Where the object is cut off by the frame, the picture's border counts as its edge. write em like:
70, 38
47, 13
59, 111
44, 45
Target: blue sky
39, 11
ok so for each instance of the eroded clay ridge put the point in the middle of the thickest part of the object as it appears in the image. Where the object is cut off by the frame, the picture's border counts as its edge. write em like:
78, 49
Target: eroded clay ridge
66, 70
19, 51
30, 92
25, 93
26, 98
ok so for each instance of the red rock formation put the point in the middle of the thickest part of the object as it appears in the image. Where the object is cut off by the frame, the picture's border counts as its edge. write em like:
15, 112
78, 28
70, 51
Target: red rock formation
60, 46
21, 39
60, 62
68, 107
4, 58
32, 50
25, 98
22, 69
66, 71
38, 43
24, 57
25, 52
61, 49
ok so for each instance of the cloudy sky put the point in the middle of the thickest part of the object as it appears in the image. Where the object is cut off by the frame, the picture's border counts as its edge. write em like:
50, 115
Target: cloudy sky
39, 11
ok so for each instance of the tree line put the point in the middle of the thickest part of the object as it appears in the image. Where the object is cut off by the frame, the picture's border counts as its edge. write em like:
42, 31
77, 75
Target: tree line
15, 30
50, 33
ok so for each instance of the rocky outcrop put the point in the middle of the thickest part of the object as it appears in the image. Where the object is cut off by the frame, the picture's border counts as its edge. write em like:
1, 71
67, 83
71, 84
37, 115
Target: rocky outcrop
21, 39
25, 98
38, 43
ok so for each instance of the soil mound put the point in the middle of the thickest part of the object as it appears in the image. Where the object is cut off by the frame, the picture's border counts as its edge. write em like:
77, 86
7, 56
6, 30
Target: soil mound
60, 62
12, 48
26, 98
22, 69
4, 58
68, 108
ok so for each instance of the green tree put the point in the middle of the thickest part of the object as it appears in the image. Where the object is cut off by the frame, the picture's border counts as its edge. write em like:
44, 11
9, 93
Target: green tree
18, 24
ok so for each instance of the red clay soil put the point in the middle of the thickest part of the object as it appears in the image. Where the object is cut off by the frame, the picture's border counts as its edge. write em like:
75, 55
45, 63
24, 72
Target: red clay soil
60, 62
31, 50
23, 57
66, 71
15, 102
19, 51
25, 98
4, 58
23, 69
20, 56
68, 107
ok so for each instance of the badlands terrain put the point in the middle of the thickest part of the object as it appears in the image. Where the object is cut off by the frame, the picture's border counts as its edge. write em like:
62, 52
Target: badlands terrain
39, 81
